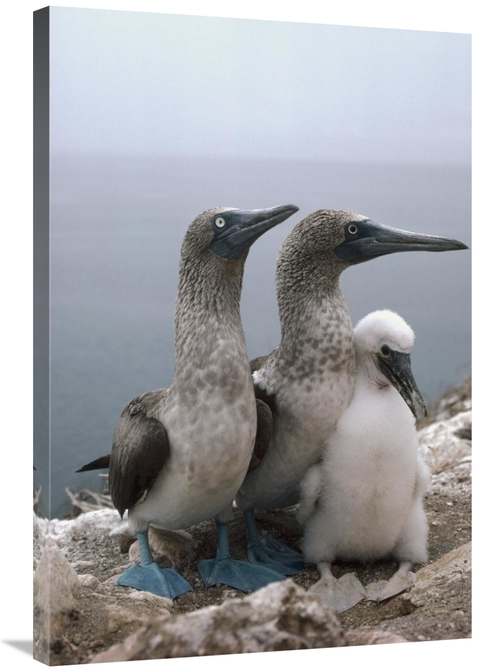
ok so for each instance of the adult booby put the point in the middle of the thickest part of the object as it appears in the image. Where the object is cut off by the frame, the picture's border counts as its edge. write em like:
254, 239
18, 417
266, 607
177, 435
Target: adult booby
180, 454
308, 380
364, 500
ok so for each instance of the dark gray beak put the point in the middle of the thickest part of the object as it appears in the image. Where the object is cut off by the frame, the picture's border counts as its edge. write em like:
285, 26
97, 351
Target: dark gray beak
397, 369
236, 230
367, 240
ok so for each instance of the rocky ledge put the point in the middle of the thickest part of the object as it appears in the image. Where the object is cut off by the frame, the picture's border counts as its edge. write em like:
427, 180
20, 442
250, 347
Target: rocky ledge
82, 616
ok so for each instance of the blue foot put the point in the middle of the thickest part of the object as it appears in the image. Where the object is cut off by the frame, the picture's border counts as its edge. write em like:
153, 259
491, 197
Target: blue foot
268, 551
149, 577
154, 579
235, 573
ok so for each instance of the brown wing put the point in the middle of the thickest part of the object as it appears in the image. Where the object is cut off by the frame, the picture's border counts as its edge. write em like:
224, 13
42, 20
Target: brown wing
264, 432
140, 450
99, 463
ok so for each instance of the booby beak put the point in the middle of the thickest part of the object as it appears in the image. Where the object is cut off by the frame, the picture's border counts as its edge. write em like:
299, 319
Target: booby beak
236, 230
397, 368
366, 240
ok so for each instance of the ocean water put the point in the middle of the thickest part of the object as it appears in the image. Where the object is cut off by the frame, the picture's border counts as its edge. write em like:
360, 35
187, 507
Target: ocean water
117, 224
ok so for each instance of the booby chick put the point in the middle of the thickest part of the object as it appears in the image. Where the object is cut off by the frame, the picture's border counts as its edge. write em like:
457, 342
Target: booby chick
308, 380
364, 500
180, 454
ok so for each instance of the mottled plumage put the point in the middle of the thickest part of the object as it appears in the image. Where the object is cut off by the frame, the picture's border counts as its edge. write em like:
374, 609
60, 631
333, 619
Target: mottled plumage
208, 413
308, 379
180, 454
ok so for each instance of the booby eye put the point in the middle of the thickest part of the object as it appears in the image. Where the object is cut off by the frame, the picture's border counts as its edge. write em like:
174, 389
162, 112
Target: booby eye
352, 228
385, 351
219, 222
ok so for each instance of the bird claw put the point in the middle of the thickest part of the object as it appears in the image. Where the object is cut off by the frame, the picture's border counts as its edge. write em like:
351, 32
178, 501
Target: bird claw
378, 591
338, 595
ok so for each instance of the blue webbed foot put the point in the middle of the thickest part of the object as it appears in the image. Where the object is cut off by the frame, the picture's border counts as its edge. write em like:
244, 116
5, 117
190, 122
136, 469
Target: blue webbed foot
269, 551
244, 576
238, 574
274, 554
150, 578
154, 579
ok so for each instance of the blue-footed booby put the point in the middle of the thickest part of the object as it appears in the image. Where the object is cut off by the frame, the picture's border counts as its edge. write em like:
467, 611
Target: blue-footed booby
180, 454
308, 380
363, 501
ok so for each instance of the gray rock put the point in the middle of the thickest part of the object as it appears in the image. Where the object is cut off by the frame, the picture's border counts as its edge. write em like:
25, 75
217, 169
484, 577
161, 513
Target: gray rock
89, 581
55, 597
365, 635
446, 578
281, 616
119, 619
447, 443
56, 585
456, 400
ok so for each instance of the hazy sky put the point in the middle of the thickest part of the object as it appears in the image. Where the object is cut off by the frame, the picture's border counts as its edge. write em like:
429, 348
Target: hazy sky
130, 81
